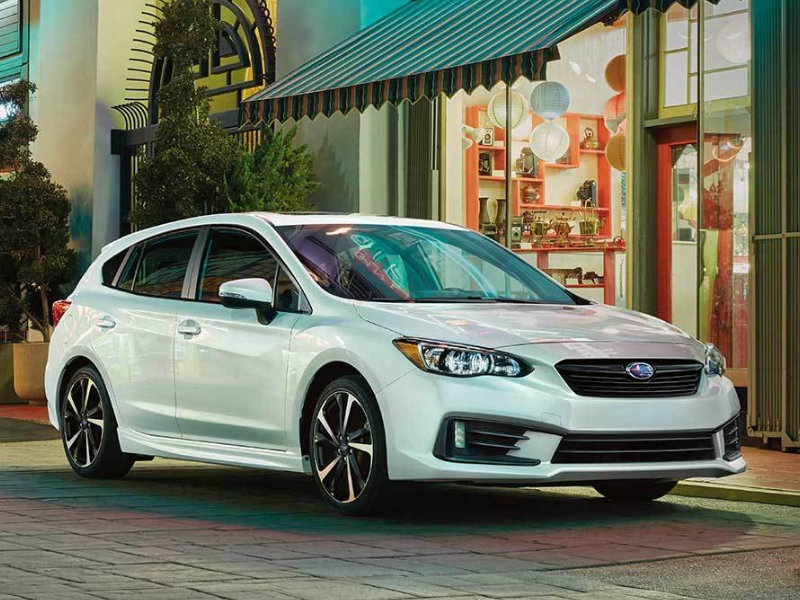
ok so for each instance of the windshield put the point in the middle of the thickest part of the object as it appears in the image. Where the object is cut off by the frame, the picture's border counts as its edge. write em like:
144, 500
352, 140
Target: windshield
390, 263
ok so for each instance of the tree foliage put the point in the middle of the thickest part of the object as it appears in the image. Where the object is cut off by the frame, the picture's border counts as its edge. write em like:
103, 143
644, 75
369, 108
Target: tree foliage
192, 155
196, 168
34, 223
278, 176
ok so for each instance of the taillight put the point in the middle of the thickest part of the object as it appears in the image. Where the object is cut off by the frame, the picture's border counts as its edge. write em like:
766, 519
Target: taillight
59, 308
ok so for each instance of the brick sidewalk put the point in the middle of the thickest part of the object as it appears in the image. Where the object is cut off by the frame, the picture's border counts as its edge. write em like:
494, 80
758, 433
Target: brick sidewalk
766, 469
210, 532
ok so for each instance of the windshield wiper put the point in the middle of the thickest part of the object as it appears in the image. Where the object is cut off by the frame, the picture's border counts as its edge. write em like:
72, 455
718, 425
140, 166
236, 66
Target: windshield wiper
382, 299
516, 301
450, 299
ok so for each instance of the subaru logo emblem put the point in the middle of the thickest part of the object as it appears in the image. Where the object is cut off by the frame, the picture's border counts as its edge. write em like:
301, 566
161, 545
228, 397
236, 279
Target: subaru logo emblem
641, 371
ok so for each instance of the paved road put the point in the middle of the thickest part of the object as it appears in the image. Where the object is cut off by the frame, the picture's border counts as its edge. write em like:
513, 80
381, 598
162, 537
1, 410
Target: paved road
173, 531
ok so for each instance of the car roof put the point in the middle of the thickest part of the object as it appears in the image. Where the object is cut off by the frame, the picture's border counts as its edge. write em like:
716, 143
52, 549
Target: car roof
275, 220
314, 218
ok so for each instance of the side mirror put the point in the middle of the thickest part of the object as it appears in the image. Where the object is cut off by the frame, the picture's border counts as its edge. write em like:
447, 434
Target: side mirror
246, 293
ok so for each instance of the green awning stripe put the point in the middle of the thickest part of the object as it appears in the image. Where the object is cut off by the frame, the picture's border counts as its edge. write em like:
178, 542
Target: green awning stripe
429, 47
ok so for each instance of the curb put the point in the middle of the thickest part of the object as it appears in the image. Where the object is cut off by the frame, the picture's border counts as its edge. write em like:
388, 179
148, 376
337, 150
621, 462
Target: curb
696, 489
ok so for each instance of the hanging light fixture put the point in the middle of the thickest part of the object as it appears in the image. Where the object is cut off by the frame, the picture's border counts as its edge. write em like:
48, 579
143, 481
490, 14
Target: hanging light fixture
496, 111
615, 152
615, 111
616, 72
550, 99
549, 141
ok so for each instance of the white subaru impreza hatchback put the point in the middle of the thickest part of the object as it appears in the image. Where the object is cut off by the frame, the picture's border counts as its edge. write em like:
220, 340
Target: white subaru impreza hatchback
366, 350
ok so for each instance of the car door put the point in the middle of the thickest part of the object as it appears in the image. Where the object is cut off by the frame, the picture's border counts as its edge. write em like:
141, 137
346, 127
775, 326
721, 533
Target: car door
231, 364
134, 331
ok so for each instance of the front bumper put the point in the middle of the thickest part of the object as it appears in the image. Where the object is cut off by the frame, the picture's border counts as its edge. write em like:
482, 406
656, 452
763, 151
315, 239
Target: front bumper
415, 407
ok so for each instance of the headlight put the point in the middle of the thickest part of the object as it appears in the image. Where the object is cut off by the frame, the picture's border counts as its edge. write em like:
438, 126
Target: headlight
715, 362
461, 361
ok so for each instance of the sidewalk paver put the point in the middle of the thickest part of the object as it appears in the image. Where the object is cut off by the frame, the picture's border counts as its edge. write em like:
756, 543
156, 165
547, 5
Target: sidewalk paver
179, 530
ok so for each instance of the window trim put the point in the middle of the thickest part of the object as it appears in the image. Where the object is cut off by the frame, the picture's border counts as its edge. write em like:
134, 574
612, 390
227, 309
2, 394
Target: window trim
194, 283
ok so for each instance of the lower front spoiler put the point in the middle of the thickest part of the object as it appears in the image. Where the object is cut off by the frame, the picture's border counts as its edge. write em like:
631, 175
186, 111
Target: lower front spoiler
578, 474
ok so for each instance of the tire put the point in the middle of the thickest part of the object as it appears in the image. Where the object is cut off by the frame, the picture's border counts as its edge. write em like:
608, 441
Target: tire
349, 469
633, 490
89, 428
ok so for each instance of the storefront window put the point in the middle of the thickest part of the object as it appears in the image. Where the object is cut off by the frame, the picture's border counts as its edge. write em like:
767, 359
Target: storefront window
567, 149
726, 156
726, 34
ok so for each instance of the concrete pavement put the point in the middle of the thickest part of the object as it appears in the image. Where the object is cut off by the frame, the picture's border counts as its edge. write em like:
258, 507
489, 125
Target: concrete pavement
179, 530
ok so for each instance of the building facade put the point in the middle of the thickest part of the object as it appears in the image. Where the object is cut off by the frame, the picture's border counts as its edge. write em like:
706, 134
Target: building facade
658, 174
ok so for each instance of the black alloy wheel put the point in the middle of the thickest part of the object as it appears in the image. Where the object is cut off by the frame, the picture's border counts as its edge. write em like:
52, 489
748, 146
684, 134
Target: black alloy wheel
89, 428
347, 446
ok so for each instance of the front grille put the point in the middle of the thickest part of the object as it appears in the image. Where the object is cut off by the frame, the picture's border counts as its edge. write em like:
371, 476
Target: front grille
608, 378
633, 448
483, 442
733, 446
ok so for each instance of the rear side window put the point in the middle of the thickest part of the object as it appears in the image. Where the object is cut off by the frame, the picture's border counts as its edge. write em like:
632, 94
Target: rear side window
125, 281
162, 268
111, 266
232, 254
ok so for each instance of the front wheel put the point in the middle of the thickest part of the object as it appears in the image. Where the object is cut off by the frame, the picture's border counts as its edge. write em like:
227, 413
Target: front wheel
348, 447
633, 490
89, 429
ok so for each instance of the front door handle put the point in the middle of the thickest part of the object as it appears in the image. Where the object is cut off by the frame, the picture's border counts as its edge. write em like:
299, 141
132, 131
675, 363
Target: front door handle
105, 323
189, 328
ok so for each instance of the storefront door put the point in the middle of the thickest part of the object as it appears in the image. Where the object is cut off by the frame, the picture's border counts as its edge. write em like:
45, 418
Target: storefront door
677, 227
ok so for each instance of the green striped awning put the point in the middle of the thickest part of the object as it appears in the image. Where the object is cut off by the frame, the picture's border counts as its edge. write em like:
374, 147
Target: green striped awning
427, 47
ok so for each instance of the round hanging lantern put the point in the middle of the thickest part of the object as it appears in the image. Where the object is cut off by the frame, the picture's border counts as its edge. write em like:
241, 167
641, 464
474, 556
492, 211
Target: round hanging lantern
496, 110
549, 141
623, 127
733, 41
550, 99
615, 111
616, 72
615, 152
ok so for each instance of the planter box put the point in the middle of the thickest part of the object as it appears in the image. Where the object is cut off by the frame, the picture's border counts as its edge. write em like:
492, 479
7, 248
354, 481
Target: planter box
29, 362
7, 394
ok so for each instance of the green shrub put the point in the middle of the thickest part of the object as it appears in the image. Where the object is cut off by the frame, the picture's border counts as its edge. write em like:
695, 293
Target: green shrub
278, 176
34, 223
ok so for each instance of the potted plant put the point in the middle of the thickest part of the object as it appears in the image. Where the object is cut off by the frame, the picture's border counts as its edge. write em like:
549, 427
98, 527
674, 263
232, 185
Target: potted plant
34, 234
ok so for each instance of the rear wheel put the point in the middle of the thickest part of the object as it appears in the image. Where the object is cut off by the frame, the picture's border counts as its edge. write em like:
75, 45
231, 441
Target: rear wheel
633, 490
89, 429
348, 449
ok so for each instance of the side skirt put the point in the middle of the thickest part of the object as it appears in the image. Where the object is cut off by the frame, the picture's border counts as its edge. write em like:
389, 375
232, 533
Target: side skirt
134, 442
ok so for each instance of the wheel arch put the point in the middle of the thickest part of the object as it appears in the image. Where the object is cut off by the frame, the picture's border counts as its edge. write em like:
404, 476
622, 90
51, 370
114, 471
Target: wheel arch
70, 368
327, 373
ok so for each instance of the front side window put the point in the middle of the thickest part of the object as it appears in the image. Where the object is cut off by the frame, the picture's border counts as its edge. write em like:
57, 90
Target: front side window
162, 268
388, 263
230, 255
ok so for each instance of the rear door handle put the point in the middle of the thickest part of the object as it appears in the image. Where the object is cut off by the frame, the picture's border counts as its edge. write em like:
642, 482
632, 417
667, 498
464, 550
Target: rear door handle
105, 322
189, 328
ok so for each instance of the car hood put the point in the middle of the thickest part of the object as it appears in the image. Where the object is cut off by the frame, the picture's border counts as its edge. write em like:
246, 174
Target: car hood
500, 325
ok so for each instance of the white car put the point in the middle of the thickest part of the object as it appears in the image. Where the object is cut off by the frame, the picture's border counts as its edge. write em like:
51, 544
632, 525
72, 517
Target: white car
367, 350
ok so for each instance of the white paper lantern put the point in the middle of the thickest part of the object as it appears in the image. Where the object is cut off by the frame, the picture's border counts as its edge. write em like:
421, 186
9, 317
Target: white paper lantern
496, 111
550, 99
549, 141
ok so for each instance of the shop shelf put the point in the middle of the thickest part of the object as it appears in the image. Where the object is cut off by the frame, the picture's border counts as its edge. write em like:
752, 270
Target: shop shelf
563, 207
